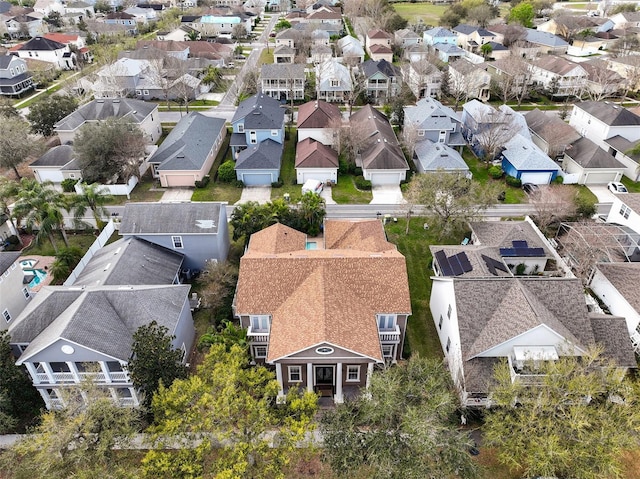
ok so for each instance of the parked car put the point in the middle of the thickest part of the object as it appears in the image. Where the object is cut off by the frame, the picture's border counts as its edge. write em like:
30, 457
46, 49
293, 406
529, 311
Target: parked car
530, 188
239, 57
617, 187
313, 186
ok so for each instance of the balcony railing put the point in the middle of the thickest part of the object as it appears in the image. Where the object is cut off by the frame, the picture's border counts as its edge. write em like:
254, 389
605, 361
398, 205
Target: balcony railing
524, 377
390, 336
257, 336
116, 377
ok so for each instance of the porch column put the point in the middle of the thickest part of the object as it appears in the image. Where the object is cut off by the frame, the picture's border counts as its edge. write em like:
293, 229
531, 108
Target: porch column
105, 371
49, 371
369, 373
310, 377
279, 379
74, 371
32, 372
339, 398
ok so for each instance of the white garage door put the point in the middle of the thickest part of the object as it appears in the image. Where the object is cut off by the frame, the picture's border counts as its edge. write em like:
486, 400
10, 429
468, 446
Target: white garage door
541, 178
49, 175
314, 175
256, 179
600, 178
385, 178
179, 180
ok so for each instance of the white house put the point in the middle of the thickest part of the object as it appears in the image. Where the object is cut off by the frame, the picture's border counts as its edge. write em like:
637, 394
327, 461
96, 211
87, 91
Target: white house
601, 120
625, 211
50, 51
15, 294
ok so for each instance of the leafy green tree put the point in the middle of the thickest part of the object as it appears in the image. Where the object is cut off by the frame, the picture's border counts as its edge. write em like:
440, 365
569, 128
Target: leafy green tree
312, 209
7, 109
107, 149
48, 111
450, 199
154, 361
576, 422
227, 171
39, 206
523, 14
229, 335
234, 405
8, 192
15, 144
282, 24
93, 197
218, 288
66, 260
486, 50
211, 76
55, 19
403, 428
248, 218
20, 401
192, 35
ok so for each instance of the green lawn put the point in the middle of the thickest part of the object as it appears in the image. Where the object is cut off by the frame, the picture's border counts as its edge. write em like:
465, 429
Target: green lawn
345, 192
481, 174
142, 191
81, 240
288, 170
215, 190
428, 13
265, 57
585, 194
632, 186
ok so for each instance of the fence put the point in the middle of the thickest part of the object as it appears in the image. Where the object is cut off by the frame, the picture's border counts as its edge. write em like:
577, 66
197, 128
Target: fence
100, 241
122, 189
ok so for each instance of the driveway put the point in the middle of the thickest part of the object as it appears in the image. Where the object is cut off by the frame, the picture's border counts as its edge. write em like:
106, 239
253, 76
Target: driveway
387, 195
176, 195
326, 195
261, 194
602, 192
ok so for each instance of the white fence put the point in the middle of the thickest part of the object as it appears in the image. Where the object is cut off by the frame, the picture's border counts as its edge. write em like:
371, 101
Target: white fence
100, 241
115, 190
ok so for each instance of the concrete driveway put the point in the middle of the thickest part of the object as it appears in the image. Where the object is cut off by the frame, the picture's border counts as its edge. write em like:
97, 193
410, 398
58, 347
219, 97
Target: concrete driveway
326, 195
602, 193
176, 195
261, 194
387, 195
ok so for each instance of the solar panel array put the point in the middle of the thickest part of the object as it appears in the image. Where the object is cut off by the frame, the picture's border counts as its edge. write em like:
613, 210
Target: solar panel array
455, 265
493, 265
521, 249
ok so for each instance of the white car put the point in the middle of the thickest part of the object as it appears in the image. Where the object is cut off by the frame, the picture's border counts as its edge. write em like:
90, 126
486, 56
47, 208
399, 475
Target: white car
617, 187
313, 186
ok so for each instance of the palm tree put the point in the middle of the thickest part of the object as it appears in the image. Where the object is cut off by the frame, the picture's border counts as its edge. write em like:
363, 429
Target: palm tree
66, 260
312, 209
94, 197
40, 206
8, 192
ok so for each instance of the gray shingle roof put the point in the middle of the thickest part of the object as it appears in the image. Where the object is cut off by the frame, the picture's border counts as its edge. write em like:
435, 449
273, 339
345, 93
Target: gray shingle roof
57, 156
610, 113
42, 44
260, 112
131, 261
371, 67
135, 110
276, 71
265, 155
524, 155
449, 49
589, 155
500, 234
170, 218
544, 38
283, 50
475, 253
434, 156
7, 258
547, 127
5, 60
430, 114
625, 277
439, 32
187, 146
611, 333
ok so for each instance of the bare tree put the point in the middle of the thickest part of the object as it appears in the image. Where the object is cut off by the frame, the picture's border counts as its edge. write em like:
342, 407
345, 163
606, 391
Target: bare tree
496, 129
553, 204
409, 138
601, 82
349, 138
358, 87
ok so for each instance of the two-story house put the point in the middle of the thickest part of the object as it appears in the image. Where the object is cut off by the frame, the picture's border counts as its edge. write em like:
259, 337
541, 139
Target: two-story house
559, 76
378, 45
471, 38
550, 133
439, 35
324, 317
406, 37
283, 81
25, 25
333, 81
14, 77
382, 78
15, 294
351, 49
124, 19
471, 79
257, 140
288, 38
435, 122
423, 78
601, 121
545, 42
50, 51
318, 120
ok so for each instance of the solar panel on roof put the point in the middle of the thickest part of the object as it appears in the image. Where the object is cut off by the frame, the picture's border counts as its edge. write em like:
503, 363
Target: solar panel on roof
443, 263
493, 265
464, 262
455, 265
519, 244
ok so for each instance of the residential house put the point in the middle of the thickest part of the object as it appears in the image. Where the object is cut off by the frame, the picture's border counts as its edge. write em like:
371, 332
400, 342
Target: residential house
430, 157
287, 37
434, 122
122, 78
496, 51
67, 334
511, 74
315, 161
625, 211
284, 54
623, 151
351, 49
546, 43
15, 293
470, 78
317, 120
600, 121
550, 133
56, 165
559, 76
417, 53
14, 77
423, 78
25, 25
127, 21
567, 26
320, 54
213, 25
448, 53
522, 159
283, 81
333, 81
628, 67
43, 49
439, 35
484, 126
187, 153
379, 155
142, 15
141, 113
625, 20
196, 230
45, 7
406, 37
326, 16
471, 38
111, 29
616, 285
80, 8
320, 37
324, 317
592, 164
76, 44
382, 80
381, 52
377, 37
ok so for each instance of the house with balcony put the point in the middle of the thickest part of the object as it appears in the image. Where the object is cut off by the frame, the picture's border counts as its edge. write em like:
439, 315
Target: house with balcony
15, 79
471, 38
383, 80
283, 81
558, 76
333, 81
423, 78
324, 316
435, 122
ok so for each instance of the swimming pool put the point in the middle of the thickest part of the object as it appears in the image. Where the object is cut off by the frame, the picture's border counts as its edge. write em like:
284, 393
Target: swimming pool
311, 245
27, 264
38, 276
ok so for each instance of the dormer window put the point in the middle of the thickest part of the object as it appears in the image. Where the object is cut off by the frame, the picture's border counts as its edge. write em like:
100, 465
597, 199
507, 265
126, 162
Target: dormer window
386, 322
335, 83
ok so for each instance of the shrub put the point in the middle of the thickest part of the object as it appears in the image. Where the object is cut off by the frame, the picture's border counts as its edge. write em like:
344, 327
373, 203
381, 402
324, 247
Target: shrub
204, 182
13, 239
513, 181
558, 180
68, 185
357, 171
277, 184
238, 184
362, 184
584, 207
496, 172
227, 172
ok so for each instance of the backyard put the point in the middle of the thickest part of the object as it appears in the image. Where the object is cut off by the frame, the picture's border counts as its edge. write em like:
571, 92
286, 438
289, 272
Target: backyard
481, 174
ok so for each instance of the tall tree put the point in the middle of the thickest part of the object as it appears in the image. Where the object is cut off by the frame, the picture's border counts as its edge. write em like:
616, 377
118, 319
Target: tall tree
218, 287
154, 361
234, 405
451, 200
522, 14
575, 422
312, 209
45, 113
93, 197
66, 260
402, 429
40, 206
15, 144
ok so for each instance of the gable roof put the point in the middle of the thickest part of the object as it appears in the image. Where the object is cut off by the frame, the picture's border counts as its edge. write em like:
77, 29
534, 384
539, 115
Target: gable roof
7, 258
501, 234
317, 114
557, 65
377, 48
101, 109
544, 38
371, 67
5, 60
265, 155
524, 155
609, 113
625, 277
282, 71
377, 33
288, 34
589, 155
313, 154
433, 156
282, 50
260, 112
189, 143
439, 32
62, 38
41, 44
170, 218
449, 49
430, 114
326, 295
469, 29
548, 127
60, 155
332, 69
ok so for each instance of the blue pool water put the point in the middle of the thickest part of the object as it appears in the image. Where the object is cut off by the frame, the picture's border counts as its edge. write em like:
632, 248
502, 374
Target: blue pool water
312, 245
39, 276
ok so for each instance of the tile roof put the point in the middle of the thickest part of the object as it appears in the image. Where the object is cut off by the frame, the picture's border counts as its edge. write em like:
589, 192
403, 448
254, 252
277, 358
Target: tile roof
325, 295
7, 258
609, 113
313, 154
135, 110
260, 112
589, 155
62, 37
265, 155
60, 155
317, 114
170, 218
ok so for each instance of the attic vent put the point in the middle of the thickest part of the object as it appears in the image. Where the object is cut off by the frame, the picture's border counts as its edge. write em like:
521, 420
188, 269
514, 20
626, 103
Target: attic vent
134, 112
99, 101
117, 251
443, 155
107, 267
116, 101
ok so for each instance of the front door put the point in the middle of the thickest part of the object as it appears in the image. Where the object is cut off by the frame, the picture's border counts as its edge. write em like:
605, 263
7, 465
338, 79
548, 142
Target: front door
324, 380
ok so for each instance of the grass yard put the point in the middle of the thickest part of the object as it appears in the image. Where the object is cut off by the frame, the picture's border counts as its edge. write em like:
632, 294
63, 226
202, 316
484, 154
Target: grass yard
632, 186
143, 190
215, 190
585, 194
288, 170
265, 57
82, 240
345, 192
413, 12
481, 174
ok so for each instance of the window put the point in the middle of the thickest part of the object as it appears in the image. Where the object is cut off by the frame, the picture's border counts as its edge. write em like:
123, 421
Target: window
387, 350
353, 373
12, 71
7, 316
240, 127
625, 211
252, 137
448, 344
145, 92
177, 242
386, 322
260, 322
274, 132
138, 92
295, 374
420, 132
440, 322
449, 312
335, 83
25, 293
259, 351
72, 175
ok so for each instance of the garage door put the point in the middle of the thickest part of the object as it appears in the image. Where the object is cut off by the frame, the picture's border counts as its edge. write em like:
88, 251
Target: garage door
385, 178
54, 176
600, 178
179, 180
536, 178
256, 179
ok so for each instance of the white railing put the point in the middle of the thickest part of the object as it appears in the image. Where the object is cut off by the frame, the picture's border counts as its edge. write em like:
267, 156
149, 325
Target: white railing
635, 341
524, 378
57, 378
116, 377
257, 336
473, 401
127, 402
392, 336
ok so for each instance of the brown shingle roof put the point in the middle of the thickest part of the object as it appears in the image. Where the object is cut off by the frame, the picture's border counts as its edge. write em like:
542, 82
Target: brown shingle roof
625, 277
278, 239
377, 48
365, 235
313, 154
501, 233
611, 333
377, 33
317, 114
632, 200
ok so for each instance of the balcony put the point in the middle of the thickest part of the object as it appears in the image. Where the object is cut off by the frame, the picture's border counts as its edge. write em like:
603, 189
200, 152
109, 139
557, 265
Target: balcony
524, 375
257, 336
390, 336
68, 378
